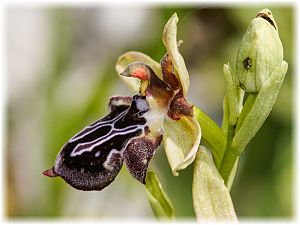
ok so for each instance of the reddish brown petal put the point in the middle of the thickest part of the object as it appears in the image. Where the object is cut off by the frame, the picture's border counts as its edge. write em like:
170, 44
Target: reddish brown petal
180, 107
167, 71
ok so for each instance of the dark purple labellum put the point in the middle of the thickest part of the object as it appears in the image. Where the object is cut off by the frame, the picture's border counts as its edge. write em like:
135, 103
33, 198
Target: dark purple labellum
91, 159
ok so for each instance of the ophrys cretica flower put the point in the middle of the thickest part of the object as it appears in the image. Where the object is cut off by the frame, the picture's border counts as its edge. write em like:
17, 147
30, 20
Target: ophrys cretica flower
136, 126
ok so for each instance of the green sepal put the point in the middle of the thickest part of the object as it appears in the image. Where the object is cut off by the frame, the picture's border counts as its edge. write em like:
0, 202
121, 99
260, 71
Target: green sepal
170, 41
181, 140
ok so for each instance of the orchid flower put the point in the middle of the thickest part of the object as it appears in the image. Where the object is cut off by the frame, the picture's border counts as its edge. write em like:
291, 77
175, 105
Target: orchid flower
136, 126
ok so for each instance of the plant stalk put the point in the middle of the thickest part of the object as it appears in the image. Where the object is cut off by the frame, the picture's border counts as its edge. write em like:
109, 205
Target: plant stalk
229, 157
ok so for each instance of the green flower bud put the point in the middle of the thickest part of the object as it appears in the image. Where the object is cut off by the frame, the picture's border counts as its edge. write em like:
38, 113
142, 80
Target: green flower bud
260, 53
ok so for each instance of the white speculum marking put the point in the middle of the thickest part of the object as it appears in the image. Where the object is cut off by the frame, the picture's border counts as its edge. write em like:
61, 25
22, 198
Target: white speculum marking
89, 146
104, 133
117, 101
106, 164
77, 151
96, 126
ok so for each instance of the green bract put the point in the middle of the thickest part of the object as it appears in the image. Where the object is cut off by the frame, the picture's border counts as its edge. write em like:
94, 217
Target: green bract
259, 108
260, 53
211, 197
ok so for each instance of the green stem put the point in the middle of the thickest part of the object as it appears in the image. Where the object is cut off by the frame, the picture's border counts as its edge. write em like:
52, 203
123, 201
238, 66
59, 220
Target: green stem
228, 162
232, 175
246, 109
229, 157
212, 135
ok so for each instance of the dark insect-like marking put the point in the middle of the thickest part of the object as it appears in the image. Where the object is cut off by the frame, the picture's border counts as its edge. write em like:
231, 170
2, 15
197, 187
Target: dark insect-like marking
247, 63
91, 159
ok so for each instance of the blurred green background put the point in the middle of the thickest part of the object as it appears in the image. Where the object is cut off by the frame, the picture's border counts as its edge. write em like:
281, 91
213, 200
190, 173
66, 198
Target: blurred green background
60, 64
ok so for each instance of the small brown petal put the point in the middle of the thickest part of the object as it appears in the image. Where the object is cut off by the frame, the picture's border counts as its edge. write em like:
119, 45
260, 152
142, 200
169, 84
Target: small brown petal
137, 155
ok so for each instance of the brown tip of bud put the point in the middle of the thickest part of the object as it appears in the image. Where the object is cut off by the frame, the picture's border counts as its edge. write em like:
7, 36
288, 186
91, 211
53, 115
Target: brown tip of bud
50, 173
267, 18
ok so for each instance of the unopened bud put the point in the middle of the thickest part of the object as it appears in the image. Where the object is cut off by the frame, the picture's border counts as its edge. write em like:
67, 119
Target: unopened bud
260, 53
